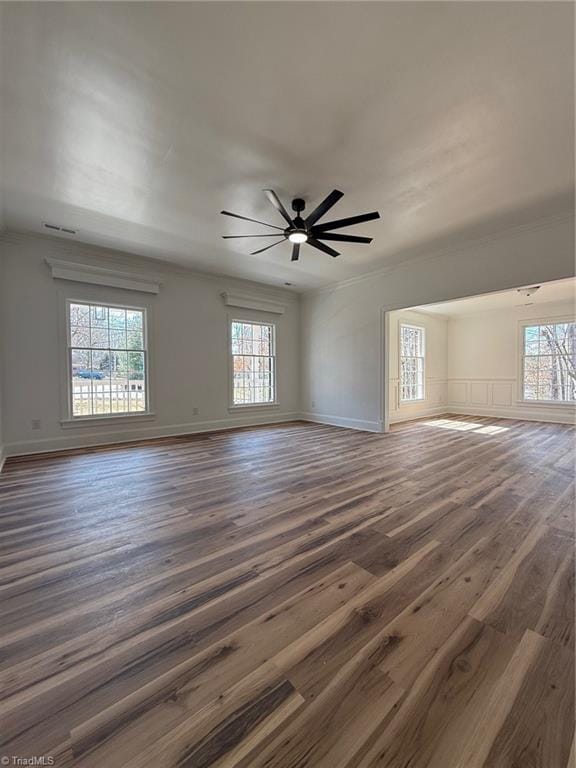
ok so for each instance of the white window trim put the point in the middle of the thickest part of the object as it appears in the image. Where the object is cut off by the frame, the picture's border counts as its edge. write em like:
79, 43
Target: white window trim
520, 399
68, 419
248, 406
418, 399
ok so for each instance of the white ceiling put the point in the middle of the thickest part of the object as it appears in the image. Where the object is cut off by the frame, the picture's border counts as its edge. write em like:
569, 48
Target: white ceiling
136, 123
559, 290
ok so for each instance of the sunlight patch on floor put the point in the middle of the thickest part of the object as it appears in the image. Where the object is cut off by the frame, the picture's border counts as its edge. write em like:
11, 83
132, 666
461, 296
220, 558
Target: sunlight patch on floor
466, 426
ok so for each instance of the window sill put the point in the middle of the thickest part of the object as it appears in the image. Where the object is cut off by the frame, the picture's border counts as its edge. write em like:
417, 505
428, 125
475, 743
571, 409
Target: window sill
106, 420
250, 406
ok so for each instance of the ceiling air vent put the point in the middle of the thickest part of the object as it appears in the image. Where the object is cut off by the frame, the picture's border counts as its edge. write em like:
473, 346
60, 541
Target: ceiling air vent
57, 228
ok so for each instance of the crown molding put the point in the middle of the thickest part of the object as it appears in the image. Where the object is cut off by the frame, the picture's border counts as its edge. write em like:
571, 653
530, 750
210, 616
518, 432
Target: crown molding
73, 248
452, 250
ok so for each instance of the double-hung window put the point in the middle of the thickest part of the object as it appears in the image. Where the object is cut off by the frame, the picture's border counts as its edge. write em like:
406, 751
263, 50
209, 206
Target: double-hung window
253, 350
107, 360
411, 363
549, 362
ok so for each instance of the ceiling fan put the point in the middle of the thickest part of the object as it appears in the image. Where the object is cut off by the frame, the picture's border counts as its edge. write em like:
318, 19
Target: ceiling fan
307, 230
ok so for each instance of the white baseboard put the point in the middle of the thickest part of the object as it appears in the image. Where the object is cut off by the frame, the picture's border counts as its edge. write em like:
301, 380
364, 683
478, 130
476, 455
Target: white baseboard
340, 421
134, 434
521, 413
422, 413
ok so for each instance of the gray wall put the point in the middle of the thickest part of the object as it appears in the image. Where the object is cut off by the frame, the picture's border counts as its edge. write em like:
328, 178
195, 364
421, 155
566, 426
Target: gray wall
342, 340
188, 340
330, 344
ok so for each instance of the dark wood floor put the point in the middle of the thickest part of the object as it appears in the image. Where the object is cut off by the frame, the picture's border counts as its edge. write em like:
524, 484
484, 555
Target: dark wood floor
294, 596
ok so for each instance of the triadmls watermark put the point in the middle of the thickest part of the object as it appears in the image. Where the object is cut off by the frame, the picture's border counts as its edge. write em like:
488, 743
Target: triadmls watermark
30, 760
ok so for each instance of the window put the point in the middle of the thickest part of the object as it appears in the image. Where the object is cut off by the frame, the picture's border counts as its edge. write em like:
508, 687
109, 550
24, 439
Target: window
411, 363
253, 363
549, 362
108, 363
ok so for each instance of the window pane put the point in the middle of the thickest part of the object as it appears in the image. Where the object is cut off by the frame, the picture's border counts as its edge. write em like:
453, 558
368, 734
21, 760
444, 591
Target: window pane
252, 363
411, 363
99, 317
99, 338
136, 364
82, 398
81, 382
80, 314
100, 364
544, 392
119, 393
549, 365
135, 320
80, 361
531, 337
106, 377
117, 319
136, 391
530, 392
80, 336
118, 338
135, 340
236, 335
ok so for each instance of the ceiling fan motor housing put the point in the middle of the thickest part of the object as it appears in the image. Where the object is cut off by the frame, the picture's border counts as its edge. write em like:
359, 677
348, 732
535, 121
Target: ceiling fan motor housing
297, 224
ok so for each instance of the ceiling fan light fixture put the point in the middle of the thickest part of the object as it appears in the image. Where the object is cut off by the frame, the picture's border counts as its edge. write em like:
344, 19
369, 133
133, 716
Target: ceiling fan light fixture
298, 237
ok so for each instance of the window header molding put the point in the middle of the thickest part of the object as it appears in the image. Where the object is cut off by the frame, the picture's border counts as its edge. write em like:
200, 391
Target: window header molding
253, 301
87, 273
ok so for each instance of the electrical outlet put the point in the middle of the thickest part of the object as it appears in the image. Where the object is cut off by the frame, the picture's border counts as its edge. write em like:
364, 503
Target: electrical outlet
195, 411
36, 424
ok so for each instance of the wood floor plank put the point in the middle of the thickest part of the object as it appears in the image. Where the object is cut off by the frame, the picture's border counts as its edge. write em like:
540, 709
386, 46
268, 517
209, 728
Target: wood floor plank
528, 585
184, 689
538, 728
445, 701
517, 677
333, 729
295, 596
229, 727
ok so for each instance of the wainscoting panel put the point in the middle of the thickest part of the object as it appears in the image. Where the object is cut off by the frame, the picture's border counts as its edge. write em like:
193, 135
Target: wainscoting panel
502, 393
478, 392
436, 391
433, 404
457, 392
498, 397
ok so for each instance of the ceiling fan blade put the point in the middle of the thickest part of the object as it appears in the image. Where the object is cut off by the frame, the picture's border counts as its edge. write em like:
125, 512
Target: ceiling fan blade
252, 253
233, 237
321, 247
340, 238
237, 216
339, 223
276, 202
295, 252
324, 207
